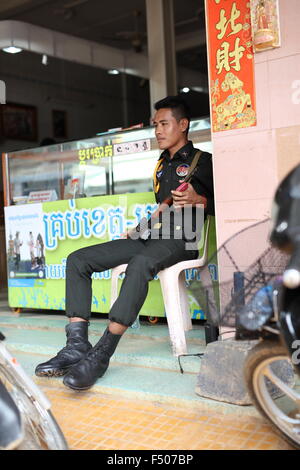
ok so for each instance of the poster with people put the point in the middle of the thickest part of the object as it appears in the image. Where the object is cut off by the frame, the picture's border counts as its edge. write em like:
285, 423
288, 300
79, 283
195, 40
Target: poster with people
25, 243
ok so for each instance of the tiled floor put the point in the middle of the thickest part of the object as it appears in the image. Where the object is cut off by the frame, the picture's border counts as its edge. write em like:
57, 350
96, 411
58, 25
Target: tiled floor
94, 421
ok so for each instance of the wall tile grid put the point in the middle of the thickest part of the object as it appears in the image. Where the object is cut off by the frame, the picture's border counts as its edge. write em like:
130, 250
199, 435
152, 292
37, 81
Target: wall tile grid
249, 163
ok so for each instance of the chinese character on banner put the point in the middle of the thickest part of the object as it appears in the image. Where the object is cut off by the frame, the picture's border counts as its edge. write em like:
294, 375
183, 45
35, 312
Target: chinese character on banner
231, 64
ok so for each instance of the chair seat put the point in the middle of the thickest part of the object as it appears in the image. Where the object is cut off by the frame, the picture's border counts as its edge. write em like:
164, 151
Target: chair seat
173, 286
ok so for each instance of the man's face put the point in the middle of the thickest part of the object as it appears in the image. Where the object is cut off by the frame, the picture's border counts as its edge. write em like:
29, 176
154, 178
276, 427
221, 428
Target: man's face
169, 132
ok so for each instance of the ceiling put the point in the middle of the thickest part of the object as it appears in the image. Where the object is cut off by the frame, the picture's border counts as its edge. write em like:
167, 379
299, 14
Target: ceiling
117, 23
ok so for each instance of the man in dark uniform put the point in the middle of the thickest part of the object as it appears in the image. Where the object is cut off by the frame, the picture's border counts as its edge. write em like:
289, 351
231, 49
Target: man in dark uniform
82, 363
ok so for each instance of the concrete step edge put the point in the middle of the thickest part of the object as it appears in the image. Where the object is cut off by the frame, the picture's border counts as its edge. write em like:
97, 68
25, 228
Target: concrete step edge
96, 332
168, 363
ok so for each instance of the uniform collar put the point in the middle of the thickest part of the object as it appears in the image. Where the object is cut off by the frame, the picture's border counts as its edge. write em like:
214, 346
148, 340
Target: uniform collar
182, 153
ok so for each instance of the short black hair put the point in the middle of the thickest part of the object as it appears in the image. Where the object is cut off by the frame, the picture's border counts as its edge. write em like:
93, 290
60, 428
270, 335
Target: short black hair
178, 106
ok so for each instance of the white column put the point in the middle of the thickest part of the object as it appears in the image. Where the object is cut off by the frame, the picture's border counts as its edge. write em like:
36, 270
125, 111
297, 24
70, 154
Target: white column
161, 49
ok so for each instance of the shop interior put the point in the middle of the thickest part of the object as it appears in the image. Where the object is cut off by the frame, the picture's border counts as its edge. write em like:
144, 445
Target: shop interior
61, 101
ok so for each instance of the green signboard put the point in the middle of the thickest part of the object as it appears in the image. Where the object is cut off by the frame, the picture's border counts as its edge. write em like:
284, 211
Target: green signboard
39, 238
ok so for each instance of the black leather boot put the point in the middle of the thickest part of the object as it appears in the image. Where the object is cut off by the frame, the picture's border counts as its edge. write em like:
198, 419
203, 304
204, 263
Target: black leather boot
85, 374
75, 350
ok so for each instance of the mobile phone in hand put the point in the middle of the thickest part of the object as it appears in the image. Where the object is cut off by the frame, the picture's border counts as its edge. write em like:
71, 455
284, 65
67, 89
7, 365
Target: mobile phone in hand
182, 187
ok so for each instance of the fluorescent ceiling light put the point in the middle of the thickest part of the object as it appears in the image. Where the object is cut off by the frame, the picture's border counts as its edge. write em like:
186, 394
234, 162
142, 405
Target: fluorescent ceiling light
199, 89
12, 49
113, 72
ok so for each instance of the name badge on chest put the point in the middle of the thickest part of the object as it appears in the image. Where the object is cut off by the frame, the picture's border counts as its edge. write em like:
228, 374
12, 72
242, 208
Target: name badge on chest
182, 170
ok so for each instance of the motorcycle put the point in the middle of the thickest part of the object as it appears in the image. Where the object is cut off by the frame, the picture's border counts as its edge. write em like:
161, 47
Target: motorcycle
260, 302
26, 421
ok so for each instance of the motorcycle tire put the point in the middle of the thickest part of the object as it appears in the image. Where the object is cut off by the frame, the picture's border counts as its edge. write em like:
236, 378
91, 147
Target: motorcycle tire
273, 395
40, 429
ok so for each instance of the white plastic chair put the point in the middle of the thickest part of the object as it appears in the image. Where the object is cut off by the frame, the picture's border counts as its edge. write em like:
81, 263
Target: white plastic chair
173, 286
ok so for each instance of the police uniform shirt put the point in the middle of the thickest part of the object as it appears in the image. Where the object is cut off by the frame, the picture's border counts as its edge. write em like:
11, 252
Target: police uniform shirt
168, 176
175, 169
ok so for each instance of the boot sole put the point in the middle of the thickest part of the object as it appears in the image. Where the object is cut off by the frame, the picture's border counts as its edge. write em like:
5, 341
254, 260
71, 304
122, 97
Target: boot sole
73, 387
54, 372
77, 388
51, 373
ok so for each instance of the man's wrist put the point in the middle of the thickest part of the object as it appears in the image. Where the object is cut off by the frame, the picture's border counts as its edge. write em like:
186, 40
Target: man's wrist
202, 200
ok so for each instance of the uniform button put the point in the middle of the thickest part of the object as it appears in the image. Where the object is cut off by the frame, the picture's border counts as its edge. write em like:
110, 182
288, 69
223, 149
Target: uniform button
167, 181
170, 164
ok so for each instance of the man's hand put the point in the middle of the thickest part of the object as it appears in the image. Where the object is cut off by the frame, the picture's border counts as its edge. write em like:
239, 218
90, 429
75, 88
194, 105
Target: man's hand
188, 197
125, 235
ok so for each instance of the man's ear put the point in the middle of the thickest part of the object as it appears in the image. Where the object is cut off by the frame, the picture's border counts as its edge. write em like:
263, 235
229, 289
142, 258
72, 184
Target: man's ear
184, 124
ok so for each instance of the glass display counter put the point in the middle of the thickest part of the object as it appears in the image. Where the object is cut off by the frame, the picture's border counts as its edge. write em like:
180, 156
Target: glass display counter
66, 196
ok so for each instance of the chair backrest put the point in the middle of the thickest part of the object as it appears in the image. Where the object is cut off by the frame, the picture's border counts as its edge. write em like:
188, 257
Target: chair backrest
203, 242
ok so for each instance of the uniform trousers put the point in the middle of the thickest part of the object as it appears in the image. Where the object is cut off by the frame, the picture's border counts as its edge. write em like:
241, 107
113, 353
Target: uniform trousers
145, 258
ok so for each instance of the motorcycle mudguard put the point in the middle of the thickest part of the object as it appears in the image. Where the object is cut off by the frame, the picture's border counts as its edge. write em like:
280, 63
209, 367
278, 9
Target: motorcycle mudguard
289, 321
10, 421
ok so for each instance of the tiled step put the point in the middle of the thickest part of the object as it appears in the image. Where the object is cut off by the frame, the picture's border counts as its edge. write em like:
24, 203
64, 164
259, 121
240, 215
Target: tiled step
44, 321
142, 367
147, 346
141, 383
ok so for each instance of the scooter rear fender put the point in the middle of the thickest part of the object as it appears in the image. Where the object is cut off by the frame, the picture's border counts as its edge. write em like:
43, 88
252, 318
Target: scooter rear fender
289, 321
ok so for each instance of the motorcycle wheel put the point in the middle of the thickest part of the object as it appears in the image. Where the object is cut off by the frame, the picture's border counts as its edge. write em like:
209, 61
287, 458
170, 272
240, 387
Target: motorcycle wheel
276, 400
40, 429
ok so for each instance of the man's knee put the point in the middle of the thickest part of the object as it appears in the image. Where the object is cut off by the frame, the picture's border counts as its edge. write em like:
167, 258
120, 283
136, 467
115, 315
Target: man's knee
123, 320
143, 265
75, 260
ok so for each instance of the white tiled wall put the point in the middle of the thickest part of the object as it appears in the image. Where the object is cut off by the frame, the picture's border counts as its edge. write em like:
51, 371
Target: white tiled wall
248, 163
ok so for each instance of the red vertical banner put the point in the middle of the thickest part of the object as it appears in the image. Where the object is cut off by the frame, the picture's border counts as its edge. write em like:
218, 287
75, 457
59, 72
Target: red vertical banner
231, 64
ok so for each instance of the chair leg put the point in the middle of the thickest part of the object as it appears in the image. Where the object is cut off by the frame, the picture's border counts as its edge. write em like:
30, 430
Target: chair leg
184, 303
115, 272
171, 298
